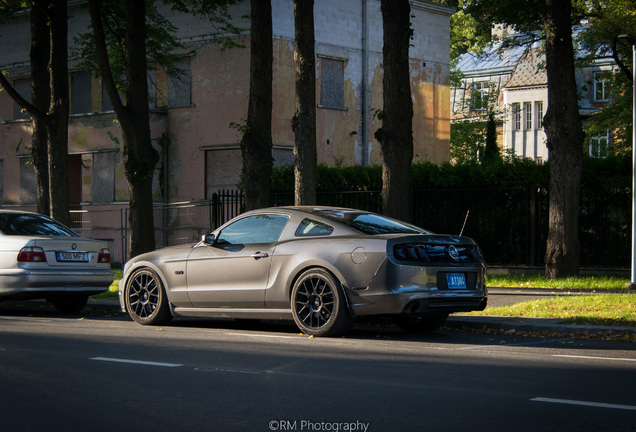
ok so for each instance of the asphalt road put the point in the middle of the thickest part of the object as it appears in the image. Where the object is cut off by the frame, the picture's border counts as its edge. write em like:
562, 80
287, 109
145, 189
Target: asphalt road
100, 371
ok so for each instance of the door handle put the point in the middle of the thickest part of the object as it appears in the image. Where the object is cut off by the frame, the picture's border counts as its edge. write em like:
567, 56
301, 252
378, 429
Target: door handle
259, 255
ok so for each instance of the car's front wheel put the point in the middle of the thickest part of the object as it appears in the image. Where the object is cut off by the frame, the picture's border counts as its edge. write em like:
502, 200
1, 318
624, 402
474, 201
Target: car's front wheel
318, 304
70, 304
413, 323
145, 298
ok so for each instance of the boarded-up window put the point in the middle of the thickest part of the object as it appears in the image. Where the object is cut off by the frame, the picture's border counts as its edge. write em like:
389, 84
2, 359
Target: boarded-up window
28, 188
171, 91
23, 87
104, 177
332, 83
81, 93
222, 170
180, 88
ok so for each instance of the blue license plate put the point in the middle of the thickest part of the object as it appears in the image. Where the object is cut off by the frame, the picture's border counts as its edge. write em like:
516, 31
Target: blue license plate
456, 280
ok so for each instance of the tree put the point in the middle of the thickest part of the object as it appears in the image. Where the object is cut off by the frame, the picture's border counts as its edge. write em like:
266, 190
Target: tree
304, 120
606, 20
396, 134
41, 97
562, 124
256, 145
50, 112
140, 158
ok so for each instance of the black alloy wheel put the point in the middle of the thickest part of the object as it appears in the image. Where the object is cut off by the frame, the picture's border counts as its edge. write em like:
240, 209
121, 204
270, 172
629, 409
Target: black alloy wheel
318, 304
145, 298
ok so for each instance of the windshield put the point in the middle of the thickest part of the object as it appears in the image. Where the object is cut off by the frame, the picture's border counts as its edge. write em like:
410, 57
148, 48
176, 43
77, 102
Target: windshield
26, 224
370, 223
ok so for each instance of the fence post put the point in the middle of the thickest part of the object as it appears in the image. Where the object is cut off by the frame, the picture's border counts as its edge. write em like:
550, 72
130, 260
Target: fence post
214, 211
532, 234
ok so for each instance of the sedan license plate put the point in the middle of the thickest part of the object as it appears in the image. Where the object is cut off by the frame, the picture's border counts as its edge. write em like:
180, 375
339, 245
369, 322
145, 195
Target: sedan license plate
456, 280
72, 256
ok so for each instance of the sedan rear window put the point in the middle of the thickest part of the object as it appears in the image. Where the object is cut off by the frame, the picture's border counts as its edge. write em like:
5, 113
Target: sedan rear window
371, 223
21, 224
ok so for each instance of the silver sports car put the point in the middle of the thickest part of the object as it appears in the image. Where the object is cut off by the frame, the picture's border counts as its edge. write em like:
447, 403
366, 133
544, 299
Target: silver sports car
320, 266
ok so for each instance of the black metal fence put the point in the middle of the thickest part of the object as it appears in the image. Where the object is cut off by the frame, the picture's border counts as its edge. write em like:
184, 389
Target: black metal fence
510, 224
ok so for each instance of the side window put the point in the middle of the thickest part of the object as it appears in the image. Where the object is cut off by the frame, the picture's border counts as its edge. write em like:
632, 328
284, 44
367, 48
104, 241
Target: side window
309, 228
254, 229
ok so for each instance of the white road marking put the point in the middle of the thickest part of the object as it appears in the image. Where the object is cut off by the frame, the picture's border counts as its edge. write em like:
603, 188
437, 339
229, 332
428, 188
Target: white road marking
139, 362
596, 358
584, 403
213, 369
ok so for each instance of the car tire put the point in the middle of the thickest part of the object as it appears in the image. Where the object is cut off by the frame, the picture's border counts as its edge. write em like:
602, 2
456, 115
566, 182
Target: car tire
318, 304
414, 323
145, 298
70, 304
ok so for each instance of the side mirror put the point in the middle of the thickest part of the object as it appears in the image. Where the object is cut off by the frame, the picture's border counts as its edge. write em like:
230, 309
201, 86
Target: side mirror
209, 239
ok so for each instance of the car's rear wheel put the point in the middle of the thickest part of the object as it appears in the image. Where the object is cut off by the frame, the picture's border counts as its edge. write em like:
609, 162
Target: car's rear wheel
318, 304
70, 304
414, 323
145, 298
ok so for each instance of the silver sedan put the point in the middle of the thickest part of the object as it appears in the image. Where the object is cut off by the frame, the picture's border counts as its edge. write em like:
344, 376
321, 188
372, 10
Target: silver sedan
42, 259
321, 267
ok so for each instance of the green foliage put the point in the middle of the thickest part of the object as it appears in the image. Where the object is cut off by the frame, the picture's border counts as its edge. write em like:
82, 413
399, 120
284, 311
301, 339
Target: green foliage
161, 43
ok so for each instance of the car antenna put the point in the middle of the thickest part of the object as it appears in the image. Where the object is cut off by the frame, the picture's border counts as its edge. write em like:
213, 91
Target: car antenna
465, 219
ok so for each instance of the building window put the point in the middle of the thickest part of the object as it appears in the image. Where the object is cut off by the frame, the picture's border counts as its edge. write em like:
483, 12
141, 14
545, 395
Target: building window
23, 87
222, 169
538, 112
28, 186
527, 112
516, 116
332, 83
601, 86
81, 93
599, 145
479, 95
171, 91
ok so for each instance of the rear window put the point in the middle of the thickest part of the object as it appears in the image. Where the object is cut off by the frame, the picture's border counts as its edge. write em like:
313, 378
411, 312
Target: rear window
371, 223
32, 225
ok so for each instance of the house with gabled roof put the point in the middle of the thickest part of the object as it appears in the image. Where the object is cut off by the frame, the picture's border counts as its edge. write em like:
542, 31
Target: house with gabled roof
512, 82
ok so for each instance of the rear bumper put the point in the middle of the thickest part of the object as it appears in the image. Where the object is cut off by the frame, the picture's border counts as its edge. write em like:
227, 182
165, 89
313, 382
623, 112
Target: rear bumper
26, 284
415, 290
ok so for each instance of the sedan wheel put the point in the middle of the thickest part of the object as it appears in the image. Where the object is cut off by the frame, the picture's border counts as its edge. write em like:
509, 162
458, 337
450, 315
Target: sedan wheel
145, 298
414, 323
319, 305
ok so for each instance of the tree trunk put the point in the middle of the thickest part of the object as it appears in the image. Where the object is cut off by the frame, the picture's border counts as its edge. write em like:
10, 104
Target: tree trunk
41, 97
140, 158
565, 136
304, 121
396, 134
256, 145
57, 121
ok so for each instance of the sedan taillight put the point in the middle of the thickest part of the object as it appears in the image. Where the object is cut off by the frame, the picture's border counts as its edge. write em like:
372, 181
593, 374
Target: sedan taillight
31, 254
103, 257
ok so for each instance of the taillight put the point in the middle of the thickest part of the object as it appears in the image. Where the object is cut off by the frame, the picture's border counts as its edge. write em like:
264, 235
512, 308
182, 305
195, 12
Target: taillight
31, 254
103, 257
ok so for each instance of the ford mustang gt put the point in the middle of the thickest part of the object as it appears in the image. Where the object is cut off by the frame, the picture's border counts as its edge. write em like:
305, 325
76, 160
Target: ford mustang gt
320, 266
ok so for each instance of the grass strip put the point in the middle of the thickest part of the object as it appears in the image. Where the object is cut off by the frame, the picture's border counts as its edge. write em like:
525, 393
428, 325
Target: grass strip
602, 309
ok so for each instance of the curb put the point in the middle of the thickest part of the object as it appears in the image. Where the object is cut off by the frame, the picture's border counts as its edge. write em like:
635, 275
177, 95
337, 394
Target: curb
516, 324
